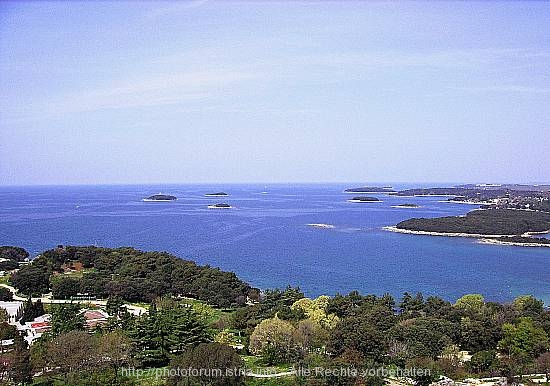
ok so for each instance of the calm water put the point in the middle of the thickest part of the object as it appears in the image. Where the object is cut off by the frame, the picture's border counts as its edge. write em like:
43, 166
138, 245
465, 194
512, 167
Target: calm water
266, 241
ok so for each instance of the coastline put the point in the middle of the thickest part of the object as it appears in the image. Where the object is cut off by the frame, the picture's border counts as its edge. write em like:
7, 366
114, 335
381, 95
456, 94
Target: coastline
511, 243
148, 200
388, 192
482, 238
467, 202
527, 234
424, 195
449, 234
432, 195
362, 201
404, 207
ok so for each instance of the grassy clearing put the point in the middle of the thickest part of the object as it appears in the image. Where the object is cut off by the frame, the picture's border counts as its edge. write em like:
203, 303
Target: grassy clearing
255, 363
212, 314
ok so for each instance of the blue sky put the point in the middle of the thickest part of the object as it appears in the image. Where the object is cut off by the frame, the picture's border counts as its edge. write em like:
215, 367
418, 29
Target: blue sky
220, 91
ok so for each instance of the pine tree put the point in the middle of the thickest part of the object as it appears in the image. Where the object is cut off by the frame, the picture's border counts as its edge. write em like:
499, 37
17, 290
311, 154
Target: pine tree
166, 332
114, 306
20, 371
32, 310
66, 317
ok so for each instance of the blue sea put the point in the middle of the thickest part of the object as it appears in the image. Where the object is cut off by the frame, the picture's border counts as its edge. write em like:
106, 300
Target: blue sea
266, 241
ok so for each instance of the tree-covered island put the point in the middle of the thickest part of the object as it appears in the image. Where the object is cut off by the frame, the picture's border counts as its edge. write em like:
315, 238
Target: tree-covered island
161, 197
406, 206
487, 222
364, 199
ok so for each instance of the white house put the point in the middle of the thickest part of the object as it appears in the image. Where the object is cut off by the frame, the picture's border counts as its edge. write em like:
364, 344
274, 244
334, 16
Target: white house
14, 309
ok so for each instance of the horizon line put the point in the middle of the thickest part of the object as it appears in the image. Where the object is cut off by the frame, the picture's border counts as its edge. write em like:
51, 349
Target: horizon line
265, 183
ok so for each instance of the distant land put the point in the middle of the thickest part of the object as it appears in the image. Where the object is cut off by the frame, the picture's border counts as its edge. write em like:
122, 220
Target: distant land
371, 189
537, 196
510, 214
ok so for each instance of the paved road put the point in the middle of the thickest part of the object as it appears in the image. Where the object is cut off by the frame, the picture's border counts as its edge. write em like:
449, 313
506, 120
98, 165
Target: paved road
135, 310
271, 375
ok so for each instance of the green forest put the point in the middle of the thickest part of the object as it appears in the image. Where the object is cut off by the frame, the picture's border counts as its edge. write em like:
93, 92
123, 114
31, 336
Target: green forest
130, 274
490, 222
227, 324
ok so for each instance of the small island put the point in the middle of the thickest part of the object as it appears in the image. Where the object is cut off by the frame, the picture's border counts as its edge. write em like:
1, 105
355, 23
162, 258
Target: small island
319, 225
371, 189
217, 194
364, 199
220, 206
160, 197
412, 206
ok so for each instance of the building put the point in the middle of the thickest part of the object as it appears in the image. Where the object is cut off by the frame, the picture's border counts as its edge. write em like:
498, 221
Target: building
95, 317
14, 310
34, 329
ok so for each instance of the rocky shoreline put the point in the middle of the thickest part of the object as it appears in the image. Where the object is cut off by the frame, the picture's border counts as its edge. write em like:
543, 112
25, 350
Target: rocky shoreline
482, 238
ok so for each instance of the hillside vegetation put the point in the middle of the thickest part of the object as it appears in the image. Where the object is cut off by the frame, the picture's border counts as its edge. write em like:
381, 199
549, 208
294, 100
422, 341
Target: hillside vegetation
130, 274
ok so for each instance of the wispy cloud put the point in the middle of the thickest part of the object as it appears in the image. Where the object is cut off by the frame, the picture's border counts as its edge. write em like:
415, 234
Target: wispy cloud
184, 77
505, 89
249, 109
155, 90
467, 58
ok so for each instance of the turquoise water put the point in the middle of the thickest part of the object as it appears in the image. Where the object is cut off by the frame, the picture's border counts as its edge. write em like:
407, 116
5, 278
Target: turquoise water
266, 241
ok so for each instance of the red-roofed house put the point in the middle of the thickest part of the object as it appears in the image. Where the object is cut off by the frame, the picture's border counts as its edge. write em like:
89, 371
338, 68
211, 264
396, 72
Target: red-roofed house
95, 318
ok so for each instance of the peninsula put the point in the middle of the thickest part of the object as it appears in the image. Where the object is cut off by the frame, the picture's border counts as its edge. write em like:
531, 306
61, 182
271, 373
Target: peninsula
494, 226
507, 222
514, 196
371, 189
509, 213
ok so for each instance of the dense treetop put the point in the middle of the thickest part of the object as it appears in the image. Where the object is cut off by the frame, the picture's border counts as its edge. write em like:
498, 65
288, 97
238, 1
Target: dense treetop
13, 253
130, 274
490, 222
